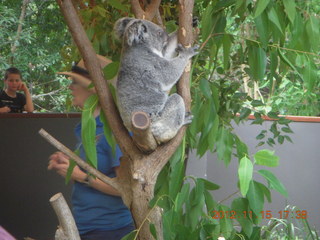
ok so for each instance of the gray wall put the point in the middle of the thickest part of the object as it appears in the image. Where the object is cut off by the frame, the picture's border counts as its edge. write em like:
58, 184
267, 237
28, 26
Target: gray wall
25, 183
298, 170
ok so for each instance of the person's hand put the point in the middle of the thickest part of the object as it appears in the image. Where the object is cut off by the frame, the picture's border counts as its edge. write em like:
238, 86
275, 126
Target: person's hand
5, 109
23, 87
60, 163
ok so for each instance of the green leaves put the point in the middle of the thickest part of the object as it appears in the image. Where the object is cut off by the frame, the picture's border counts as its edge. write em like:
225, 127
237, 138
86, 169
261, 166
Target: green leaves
241, 207
273, 17
266, 158
256, 197
257, 61
108, 133
111, 70
245, 174
273, 181
224, 145
118, 5
88, 130
290, 8
260, 7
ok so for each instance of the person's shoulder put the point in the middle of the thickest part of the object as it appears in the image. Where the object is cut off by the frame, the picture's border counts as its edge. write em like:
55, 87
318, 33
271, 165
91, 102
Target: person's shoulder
3, 94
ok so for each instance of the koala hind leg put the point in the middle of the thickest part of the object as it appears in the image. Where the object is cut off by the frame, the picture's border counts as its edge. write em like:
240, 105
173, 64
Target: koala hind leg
167, 123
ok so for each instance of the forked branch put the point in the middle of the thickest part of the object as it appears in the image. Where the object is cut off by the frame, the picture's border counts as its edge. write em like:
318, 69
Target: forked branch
150, 11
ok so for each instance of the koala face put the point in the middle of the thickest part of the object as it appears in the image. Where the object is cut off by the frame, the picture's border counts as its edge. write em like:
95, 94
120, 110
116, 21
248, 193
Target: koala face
135, 32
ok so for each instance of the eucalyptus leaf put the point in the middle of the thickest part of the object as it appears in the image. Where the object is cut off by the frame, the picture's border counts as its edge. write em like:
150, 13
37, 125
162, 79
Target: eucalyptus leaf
181, 197
265, 190
255, 196
153, 231
209, 185
240, 206
108, 134
273, 181
111, 70
273, 17
72, 164
290, 8
130, 236
88, 129
260, 7
226, 224
266, 158
118, 5
245, 171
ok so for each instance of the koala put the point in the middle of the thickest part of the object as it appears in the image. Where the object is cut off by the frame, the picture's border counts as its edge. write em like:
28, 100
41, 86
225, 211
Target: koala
148, 70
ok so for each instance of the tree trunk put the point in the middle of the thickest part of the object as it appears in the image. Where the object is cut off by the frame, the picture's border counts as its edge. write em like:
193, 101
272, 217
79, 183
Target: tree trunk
142, 214
22, 15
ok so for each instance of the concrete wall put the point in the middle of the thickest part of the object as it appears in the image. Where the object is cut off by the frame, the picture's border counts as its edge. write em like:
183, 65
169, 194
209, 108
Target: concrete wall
298, 169
25, 183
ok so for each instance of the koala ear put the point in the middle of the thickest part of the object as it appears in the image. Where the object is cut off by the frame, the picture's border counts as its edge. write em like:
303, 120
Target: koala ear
120, 26
137, 32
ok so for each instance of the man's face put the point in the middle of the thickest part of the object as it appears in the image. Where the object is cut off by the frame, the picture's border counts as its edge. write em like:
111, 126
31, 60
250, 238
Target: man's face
13, 82
79, 93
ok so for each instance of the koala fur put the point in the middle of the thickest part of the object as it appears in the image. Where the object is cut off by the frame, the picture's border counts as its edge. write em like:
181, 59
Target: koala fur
147, 72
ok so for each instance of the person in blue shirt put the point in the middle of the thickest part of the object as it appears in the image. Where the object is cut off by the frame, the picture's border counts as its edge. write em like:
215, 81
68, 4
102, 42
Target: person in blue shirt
98, 209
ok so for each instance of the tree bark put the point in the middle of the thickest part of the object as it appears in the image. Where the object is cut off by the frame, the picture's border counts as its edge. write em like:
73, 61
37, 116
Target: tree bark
142, 135
149, 13
22, 16
67, 229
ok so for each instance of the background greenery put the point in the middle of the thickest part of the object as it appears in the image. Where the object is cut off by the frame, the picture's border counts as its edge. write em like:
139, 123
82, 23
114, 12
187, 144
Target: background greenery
43, 42
268, 49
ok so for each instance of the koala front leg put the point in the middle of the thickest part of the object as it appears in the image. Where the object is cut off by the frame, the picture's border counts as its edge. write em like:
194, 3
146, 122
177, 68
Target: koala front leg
165, 124
172, 69
169, 50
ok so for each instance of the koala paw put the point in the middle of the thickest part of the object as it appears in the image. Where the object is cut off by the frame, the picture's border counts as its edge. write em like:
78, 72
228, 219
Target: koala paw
188, 118
189, 52
180, 48
195, 49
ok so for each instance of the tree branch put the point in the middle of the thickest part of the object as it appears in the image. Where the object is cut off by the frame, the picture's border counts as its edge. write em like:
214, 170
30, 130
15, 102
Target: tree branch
186, 39
91, 62
152, 9
137, 9
111, 181
67, 227
22, 16
149, 12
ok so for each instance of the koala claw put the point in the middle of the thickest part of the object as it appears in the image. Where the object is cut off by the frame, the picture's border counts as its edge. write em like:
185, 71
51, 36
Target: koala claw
188, 118
195, 49
180, 48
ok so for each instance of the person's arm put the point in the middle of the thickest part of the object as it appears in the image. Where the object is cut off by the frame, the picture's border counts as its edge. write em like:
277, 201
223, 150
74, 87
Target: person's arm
60, 163
5, 109
29, 104
99, 185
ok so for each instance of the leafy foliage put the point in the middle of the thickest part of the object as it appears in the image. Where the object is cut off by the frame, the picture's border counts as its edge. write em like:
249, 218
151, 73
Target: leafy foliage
43, 38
